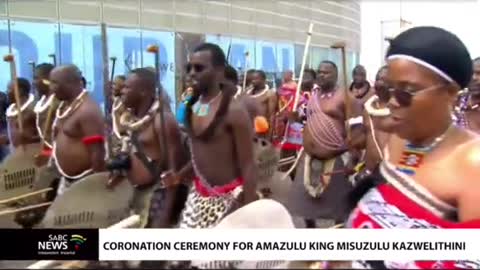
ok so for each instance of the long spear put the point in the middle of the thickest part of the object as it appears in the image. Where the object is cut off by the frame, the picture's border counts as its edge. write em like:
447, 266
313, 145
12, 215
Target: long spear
105, 84
155, 51
13, 70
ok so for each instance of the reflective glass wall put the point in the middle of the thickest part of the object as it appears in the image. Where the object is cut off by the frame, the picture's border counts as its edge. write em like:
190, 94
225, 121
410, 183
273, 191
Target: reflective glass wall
81, 44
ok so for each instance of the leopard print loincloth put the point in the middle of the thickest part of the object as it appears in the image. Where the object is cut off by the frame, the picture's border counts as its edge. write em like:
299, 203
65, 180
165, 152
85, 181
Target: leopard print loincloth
206, 212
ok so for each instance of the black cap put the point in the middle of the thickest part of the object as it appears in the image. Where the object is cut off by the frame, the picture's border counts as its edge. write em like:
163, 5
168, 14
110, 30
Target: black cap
436, 49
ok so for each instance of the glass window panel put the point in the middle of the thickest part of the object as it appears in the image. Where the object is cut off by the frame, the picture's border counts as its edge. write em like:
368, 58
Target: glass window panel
126, 45
318, 54
238, 48
285, 60
32, 41
184, 43
299, 48
266, 59
285, 56
81, 45
166, 44
237, 54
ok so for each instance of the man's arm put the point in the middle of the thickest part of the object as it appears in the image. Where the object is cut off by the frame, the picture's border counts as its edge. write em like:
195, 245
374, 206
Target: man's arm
176, 159
93, 136
243, 138
176, 155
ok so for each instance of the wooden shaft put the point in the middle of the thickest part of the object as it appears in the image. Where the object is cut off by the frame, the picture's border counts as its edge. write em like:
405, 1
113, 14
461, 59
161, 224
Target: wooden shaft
304, 62
155, 50
13, 70
26, 208
245, 73
348, 103
23, 196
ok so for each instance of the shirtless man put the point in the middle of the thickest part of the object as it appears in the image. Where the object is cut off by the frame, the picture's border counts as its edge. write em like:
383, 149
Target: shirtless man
377, 126
78, 130
42, 107
266, 97
148, 160
326, 155
429, 178
221, 131
360, 87
29, 135
469, 111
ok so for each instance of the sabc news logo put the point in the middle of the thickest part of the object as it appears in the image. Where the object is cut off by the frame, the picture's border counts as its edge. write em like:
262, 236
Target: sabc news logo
62, 242
77, 240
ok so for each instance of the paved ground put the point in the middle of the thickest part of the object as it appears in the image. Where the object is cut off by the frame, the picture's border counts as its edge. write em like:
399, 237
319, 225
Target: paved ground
15, 264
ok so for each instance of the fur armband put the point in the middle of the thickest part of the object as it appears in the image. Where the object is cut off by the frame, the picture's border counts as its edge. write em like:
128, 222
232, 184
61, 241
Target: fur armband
93, 139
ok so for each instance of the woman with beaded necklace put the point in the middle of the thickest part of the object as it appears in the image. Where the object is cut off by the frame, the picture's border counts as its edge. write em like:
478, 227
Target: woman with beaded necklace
429, 175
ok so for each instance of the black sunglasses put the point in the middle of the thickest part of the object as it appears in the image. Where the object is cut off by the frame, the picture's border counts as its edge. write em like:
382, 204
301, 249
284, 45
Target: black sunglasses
404, 97
196, 67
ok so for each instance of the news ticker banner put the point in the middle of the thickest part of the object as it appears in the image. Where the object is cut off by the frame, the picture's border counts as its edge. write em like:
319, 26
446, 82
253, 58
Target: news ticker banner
241, 244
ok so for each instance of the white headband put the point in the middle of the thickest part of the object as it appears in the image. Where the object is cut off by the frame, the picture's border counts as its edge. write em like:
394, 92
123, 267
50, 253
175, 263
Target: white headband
422, 63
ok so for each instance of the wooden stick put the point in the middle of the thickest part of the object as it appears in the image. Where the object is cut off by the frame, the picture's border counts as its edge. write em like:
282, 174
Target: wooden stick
106, 107
304, 62
26, 208
23, 196
54, 59
13, 69
348, 103
32, 63
112, 74
245, 72
300, 79
156, 52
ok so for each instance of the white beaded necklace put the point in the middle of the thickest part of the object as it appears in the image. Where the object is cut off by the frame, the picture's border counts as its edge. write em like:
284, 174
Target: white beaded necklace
60, 170
135, 125
75, 104
40, 107
371, 110
264, 91
117, 104
12, 110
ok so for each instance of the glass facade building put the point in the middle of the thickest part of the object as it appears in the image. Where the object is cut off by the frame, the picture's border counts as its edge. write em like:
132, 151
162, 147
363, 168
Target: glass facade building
271, 31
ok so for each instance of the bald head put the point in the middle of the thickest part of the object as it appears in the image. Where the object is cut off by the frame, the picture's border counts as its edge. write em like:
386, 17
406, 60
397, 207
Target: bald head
66, 82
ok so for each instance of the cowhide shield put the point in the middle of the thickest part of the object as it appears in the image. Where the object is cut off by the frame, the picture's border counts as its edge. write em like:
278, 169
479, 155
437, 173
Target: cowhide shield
88, 203
266, 157
18, 171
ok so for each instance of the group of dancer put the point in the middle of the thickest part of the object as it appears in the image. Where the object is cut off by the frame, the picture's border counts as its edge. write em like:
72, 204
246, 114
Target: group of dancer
402, 152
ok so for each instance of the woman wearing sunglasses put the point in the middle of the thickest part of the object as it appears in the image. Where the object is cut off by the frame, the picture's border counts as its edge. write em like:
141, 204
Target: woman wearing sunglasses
429, 175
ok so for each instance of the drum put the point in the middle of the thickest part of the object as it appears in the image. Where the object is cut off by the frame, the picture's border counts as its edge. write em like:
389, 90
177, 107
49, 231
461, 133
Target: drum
88, 203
